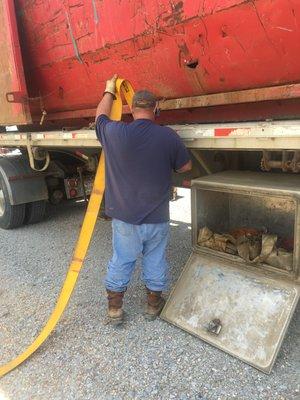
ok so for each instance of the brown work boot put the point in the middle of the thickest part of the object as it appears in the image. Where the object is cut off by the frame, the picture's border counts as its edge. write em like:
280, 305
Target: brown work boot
115, 312
155, 303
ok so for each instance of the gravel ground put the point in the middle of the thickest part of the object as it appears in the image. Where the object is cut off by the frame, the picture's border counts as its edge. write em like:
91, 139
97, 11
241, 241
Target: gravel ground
86, 359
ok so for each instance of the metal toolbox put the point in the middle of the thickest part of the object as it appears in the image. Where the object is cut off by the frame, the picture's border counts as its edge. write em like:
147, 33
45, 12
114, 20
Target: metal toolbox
241, 305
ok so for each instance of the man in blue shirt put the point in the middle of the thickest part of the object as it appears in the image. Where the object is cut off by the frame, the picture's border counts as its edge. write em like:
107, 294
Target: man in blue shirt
140, 158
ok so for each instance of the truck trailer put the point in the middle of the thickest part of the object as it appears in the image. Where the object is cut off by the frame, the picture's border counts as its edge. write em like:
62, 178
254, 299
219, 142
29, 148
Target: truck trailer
227, 76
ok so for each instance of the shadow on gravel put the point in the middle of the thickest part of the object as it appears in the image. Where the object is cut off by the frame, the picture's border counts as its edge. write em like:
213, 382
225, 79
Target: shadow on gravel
65, 209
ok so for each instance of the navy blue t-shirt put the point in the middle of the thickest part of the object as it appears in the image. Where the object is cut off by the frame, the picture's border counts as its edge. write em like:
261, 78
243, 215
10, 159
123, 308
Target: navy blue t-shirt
140, 157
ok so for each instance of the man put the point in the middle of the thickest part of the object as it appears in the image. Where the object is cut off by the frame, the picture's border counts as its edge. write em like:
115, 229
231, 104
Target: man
140, 158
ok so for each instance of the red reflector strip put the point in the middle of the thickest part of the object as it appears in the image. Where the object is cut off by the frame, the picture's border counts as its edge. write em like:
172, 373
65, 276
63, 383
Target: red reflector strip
223, 131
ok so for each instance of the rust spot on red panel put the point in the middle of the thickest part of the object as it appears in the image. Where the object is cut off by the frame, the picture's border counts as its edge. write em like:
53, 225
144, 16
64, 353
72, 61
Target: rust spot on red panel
176, 15
144, 42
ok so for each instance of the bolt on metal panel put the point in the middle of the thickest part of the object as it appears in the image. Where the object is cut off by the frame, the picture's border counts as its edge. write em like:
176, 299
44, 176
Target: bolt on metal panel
238, 311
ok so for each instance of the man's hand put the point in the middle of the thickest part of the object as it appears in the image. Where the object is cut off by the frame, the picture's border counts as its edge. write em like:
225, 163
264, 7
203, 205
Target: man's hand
187, 167
111, 86
105, 105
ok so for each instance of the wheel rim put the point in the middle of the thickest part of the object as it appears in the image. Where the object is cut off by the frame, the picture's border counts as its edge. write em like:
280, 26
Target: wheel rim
2, 202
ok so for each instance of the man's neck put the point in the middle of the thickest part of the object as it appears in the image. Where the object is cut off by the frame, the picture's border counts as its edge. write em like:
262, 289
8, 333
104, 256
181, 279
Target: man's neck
144, 115
147, 118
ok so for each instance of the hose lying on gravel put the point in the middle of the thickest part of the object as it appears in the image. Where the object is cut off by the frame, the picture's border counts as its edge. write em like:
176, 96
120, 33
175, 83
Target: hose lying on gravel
83, 240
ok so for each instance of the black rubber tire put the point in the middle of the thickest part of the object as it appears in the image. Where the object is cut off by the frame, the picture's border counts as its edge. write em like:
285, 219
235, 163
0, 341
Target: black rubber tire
35, 212
12, 216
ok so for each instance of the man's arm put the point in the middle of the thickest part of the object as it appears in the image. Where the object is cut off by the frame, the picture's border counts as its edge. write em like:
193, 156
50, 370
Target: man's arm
187, 167
105, 105
181, 160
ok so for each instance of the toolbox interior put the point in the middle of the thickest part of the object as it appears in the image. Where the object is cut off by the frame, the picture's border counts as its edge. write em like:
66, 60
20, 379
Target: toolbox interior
223, 212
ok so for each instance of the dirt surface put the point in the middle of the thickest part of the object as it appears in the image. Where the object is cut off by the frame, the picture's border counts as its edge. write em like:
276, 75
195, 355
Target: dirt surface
86, 359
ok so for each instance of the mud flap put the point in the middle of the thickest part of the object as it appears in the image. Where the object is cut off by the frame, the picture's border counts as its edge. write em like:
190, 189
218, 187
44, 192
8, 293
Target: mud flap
23, 184
241, 312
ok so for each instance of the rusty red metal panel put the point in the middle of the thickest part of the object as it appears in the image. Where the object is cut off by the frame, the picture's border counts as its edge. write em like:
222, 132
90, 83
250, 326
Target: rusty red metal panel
243, 97
177, 49
13, 106
288, 109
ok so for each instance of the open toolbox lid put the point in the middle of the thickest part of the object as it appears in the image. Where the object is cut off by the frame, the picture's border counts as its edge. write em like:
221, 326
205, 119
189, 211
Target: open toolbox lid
241, 312
13, 105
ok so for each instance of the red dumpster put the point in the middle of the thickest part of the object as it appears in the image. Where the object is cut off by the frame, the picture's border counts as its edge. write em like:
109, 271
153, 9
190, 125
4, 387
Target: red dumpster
176, 49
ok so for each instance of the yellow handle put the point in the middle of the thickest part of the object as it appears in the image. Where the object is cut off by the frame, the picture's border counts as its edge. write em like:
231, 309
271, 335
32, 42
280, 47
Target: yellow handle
83, 242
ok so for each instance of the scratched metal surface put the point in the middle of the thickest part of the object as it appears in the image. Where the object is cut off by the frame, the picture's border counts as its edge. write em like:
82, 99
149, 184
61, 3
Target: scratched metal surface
254, 310
71, 48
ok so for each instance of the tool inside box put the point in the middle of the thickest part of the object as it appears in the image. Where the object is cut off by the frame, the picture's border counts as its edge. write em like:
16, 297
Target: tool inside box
244, 222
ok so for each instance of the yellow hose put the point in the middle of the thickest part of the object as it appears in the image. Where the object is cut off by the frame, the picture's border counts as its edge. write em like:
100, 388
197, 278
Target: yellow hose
83, 242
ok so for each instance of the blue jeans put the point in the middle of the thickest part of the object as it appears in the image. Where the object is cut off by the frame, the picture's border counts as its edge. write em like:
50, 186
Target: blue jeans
130, 241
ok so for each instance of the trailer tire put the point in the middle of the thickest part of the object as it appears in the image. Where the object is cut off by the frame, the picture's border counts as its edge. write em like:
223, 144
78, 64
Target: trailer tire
35, 212
11, 216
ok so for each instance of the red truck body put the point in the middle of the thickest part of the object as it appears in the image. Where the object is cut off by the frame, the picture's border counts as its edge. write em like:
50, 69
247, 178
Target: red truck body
57, 55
